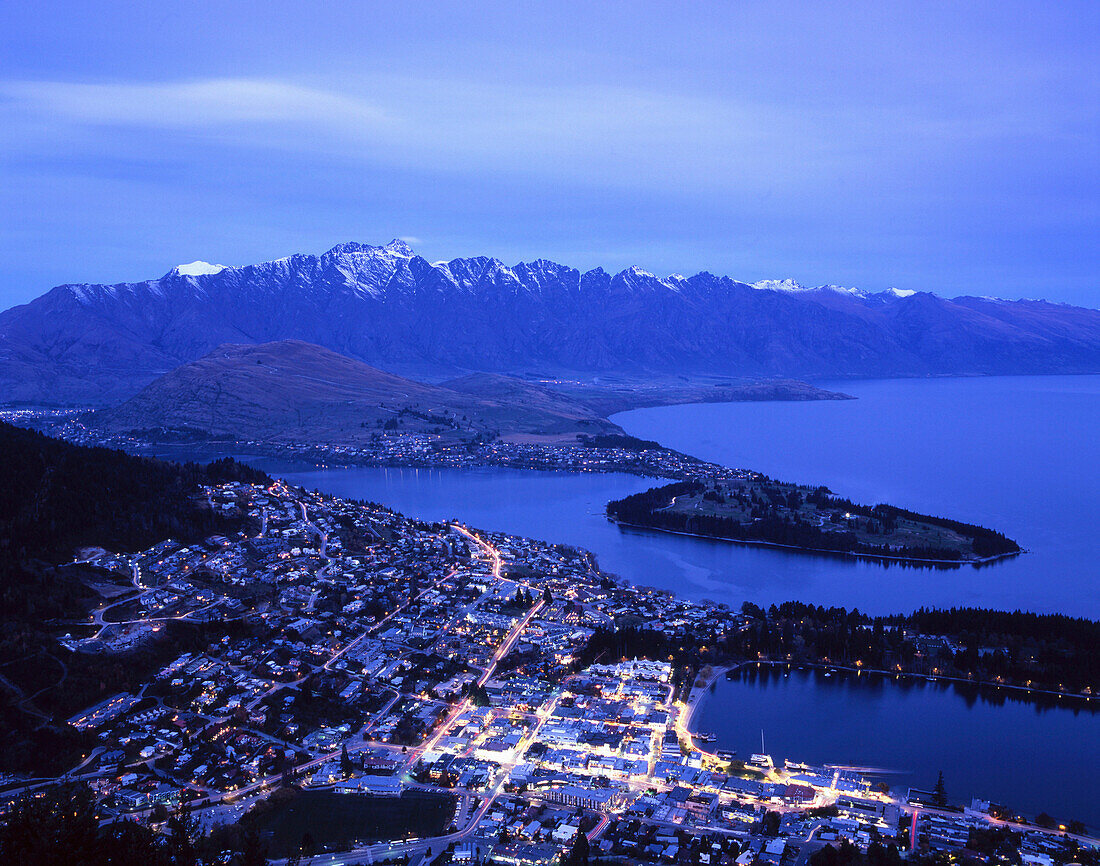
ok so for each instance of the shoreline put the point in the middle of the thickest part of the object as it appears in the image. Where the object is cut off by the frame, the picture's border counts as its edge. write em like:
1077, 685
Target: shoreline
698, 697
631, 463
852, 554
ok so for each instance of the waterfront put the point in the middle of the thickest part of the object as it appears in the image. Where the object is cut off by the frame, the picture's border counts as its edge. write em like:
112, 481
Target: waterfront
1032, 756
1016, 454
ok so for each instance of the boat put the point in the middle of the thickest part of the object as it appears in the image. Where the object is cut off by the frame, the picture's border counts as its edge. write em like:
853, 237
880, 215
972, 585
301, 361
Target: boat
706, 737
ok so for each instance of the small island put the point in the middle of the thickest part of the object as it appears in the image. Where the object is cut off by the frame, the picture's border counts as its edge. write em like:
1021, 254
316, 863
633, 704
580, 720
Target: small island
760, 510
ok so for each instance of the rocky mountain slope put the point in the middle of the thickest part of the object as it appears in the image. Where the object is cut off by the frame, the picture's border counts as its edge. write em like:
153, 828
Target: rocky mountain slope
390, 308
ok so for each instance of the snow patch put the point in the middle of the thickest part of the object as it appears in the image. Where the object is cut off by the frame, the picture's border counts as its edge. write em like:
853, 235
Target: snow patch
790, 285
199, 269
787, 285
901, 293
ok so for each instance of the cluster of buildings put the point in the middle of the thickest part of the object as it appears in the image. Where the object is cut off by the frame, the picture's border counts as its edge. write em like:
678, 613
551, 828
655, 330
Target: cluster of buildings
429, 450
360, 652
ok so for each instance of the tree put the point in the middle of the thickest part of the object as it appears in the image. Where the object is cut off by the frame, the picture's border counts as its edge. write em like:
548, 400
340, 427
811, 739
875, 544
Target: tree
939, 793
546, 596
58, 829
183, 831
129, 843
771, 823
345, 761
578, 854
253, 851
1045, 820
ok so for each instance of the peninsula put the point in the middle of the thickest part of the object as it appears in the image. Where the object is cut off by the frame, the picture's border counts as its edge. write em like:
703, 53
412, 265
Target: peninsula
759, 510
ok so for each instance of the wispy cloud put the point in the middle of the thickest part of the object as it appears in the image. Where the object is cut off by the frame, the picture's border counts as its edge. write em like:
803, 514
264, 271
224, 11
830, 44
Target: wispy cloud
189, 104
583, 135
592, 135
642, 155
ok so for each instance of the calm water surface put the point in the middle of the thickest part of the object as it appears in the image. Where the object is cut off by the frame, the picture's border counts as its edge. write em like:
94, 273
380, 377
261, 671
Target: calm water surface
1031, 758
1017, 454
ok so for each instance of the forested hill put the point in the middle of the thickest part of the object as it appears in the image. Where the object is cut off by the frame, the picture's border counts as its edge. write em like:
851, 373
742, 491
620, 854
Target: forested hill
55, 497
762, 510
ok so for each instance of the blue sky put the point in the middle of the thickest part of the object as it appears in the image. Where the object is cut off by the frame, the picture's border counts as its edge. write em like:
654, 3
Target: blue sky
953, 147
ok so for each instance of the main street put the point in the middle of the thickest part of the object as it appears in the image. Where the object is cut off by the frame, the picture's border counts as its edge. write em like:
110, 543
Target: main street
389, 849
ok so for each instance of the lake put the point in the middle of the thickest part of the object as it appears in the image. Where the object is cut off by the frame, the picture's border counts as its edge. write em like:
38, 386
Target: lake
1017, 454
1022, 755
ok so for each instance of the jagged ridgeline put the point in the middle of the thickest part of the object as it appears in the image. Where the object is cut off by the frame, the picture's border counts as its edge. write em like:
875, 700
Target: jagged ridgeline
390, 308
762, 510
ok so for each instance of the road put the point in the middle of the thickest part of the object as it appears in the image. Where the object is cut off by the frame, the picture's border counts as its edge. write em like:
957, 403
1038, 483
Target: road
438, 843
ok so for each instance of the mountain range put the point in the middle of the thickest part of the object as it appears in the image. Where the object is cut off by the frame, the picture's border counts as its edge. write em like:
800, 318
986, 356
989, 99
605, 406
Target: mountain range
390, 308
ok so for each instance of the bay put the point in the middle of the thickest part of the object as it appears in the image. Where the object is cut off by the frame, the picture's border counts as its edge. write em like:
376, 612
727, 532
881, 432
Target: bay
1031, 757
1017, 454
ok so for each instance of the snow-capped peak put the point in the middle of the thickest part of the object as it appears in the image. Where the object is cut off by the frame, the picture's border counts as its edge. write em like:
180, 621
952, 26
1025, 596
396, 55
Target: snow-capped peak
789, 285
199, 269
900, 293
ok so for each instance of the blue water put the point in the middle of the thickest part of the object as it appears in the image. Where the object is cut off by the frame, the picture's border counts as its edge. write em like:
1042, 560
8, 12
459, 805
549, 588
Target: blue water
1025, 756
1017, 454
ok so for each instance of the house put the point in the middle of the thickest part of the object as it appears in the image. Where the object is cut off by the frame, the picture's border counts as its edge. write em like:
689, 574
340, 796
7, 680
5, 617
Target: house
565, 833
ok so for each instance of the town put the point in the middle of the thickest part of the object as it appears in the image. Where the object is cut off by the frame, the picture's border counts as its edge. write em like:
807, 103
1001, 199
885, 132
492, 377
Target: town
362, 686
396, 448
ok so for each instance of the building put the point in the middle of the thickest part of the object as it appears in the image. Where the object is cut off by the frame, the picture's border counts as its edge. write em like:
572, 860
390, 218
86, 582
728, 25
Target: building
378, 786
519, 854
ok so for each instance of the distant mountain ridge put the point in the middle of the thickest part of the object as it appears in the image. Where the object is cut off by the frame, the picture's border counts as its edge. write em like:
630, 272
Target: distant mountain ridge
388, 307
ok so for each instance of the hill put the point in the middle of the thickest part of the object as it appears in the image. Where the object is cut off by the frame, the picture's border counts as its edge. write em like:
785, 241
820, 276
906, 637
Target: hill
54, 498
761, 510
290, 391
386, 306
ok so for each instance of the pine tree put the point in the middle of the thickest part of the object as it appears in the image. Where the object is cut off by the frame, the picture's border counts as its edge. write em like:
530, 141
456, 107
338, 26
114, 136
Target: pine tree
254, 852
939, 793
578, 855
